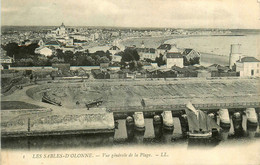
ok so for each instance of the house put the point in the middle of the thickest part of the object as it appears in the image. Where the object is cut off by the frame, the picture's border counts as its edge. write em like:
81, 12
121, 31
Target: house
248, 66
190, 53
166, 73
147, 53
147, 66
213, 68
114, 50
204, 73
44, 51
79, 37
97, 74
68, 48
69, 41
42, 42
54, 43
191, 57
141, 74
174, 49
78, 42
114, 75
5, 60
162, 49
174, 59
79, 49
154, 65
218, 68
61, 40
185, 72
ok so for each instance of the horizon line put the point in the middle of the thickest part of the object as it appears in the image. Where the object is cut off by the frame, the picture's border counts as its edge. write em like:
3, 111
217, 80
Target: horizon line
134, 27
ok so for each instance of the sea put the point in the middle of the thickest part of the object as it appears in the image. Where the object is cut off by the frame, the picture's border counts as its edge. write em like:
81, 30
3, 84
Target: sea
125, 136
220, 45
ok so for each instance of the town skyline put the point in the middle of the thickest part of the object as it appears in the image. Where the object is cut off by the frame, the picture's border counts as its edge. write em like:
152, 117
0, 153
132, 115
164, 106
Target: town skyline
134, 14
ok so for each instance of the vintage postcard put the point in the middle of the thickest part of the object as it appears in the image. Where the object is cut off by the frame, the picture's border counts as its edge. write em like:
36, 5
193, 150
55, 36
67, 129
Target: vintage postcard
130, 82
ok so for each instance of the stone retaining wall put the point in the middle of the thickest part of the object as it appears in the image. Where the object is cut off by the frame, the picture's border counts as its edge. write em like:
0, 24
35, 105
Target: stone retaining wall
24, 125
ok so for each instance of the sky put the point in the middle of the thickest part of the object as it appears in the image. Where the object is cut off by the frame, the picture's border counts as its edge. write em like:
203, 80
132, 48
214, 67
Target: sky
133, 13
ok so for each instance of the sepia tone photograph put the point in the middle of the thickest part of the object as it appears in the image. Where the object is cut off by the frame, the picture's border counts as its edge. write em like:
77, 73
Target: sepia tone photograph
130, 82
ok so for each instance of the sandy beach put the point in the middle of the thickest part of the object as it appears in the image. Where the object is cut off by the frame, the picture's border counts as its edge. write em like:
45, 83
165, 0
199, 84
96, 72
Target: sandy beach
213, 49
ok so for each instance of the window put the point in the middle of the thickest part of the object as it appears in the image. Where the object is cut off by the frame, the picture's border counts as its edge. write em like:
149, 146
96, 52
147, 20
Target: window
257, 71
252, 72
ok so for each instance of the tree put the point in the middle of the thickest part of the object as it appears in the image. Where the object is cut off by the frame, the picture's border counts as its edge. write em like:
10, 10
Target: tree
149, 60
56, 60
25, 62
130, 55
159, 60
68, 56
104, 60
90, 61
11, 49
30, 49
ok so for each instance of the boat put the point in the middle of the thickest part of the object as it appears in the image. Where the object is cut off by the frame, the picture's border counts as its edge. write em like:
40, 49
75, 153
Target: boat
94, 103
167, 120
200, 124
139, 121
251, 117
224, 118
47, 99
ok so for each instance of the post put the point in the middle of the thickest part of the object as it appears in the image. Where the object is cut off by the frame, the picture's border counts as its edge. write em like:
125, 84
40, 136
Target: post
29, 125
237, 123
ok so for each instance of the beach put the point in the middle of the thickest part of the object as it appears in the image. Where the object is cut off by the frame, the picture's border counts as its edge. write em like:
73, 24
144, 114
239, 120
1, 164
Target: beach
213, 49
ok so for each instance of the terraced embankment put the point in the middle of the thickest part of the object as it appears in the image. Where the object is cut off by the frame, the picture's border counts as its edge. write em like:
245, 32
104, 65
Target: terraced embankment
125, 95
121, 96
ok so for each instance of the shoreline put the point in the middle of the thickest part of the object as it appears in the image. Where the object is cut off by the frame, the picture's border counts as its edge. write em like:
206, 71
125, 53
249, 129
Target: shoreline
217, 58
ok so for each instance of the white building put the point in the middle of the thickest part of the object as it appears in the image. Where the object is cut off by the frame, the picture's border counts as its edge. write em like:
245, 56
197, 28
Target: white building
147, 53
248, 66
44, 51
61, 31
191, 54
162, 49
174, 59
5, 60
174, 49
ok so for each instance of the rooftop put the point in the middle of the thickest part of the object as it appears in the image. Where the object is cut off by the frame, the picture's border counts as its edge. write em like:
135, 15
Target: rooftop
249, 59
187, 51
114, 48
53, 43
165, 46
174, 55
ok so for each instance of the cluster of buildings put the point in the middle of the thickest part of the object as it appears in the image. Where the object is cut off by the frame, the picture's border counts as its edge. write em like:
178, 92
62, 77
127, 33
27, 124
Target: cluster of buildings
79, 39
5, 60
